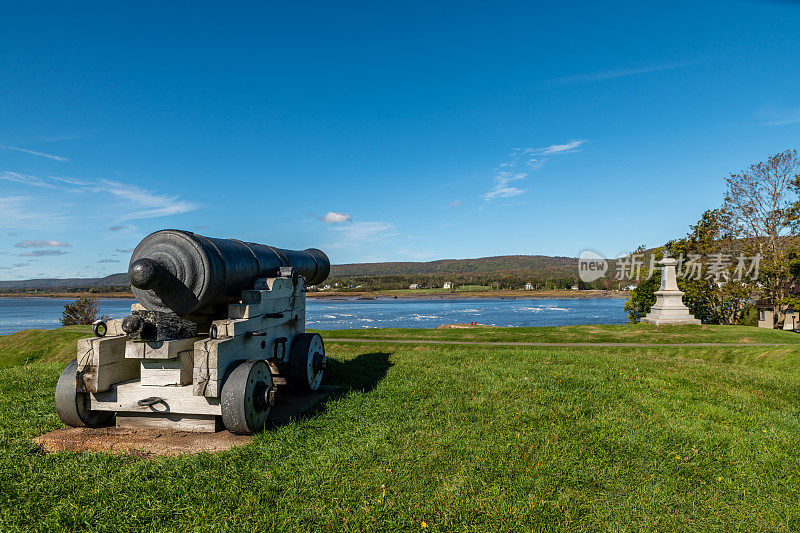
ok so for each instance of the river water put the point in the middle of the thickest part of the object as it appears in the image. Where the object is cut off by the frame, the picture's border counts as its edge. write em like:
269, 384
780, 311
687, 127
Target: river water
45, 313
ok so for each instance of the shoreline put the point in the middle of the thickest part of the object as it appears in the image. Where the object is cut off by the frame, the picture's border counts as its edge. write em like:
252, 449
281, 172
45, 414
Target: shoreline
378, 295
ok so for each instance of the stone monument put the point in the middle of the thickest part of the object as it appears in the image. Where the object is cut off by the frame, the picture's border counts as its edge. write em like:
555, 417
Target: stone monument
669, 307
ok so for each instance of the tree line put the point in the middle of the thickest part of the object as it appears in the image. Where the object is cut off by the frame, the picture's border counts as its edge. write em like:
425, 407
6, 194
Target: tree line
758, 219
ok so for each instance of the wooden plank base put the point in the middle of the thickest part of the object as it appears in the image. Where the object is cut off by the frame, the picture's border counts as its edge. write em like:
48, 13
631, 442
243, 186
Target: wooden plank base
152, 442
174, 422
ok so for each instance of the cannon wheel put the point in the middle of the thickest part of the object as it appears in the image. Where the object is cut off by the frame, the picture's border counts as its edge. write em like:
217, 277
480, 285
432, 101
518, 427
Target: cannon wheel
247, 396
307, 362
72, 406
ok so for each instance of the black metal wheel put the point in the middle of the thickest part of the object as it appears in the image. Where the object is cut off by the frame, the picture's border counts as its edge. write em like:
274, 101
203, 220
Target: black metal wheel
247, 396
307, 362
72, 405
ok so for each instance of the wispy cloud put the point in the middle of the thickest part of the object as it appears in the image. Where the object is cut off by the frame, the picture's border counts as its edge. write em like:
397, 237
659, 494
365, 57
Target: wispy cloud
502, 189
108, 261
141, 203
605, 75
566, 148
415, 255
24, 212
41, 244
151, 205
773, 116
332, 217
363, 231
43, 253
528, 159
124, 251
26, 179
14, 266
31, 152
457, 203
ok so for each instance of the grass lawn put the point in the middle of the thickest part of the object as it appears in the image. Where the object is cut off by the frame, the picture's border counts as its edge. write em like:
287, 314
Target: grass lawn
443, 438
629, 333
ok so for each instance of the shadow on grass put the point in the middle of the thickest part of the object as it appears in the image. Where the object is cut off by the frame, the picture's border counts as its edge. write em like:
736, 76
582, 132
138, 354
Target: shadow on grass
362, 373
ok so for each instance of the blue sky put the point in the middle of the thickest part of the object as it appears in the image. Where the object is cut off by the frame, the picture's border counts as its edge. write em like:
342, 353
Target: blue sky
377, 131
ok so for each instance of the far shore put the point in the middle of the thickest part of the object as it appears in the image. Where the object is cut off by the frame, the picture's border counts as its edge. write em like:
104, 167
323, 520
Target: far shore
421, 294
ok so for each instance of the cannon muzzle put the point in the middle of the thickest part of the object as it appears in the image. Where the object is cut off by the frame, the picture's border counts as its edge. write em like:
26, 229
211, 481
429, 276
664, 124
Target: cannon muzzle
182, 272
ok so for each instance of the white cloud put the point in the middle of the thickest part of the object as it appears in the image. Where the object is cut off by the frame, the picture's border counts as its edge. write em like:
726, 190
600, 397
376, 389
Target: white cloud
41, 244
556, 149
604, 75
503, 192
108, 261
507, 171
12, 267
501, 188
415, 255
779, 117
139, 203
26, 179
362, 231
31, 152
43, 253
332, 217
22, 212
456, 204
152, 205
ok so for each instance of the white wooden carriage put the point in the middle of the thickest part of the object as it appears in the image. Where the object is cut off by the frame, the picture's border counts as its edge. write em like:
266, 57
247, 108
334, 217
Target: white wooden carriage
229, 377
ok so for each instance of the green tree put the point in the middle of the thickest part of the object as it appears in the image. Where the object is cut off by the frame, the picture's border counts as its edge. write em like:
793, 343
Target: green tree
762, 204
713, 300
84, 310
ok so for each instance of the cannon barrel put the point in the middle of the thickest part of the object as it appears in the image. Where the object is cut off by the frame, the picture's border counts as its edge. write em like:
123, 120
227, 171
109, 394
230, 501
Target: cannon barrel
182, 272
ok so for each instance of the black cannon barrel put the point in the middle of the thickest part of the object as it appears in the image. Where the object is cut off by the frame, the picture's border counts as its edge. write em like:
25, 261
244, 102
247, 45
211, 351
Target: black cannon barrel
182, 272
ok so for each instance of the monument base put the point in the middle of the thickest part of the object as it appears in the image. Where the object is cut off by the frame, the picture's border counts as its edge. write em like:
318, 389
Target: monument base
670, 321
669, 307
661, 315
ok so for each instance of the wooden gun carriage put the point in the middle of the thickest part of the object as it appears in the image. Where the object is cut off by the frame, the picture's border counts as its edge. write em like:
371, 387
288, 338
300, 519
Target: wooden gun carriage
219, 332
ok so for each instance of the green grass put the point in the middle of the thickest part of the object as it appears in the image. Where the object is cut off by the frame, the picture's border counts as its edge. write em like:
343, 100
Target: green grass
629, 333
461, 438
32, 345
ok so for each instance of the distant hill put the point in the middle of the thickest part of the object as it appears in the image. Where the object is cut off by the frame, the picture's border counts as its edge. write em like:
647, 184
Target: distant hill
114, 280
544, 267
483, 265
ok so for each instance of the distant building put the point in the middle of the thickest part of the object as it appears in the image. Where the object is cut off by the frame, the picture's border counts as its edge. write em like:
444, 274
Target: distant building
792, 320
529, 286
766, 314
414, 286
448, 285
574, 287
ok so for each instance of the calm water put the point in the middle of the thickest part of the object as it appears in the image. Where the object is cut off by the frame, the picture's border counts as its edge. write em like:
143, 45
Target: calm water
45, 313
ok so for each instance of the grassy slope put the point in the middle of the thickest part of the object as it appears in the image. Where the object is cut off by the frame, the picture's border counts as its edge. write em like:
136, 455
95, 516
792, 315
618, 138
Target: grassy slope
639, 333
462, 438
37, 344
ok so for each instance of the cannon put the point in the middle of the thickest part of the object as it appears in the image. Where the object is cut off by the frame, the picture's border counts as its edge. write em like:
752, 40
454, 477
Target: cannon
216, 338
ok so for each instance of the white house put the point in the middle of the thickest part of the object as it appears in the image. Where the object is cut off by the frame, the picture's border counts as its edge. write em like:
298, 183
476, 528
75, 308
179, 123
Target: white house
448, 285
529, 286
414, 286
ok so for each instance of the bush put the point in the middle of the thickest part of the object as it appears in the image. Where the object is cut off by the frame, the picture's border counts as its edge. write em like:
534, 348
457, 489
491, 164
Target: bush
749, 316
82, 311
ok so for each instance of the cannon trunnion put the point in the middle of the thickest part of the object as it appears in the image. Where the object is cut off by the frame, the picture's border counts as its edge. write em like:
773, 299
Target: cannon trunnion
218, 337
